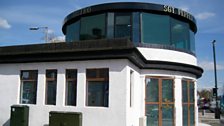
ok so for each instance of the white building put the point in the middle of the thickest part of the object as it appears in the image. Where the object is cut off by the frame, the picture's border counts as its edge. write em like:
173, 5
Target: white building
123, 64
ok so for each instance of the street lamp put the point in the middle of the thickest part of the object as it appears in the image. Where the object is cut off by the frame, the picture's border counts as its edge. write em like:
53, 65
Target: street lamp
215, 90
45, 31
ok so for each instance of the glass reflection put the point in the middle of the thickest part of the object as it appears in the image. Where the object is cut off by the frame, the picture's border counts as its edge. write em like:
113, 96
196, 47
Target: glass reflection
152, 114
167, 115
152, 90
122, 25
167, 90
155, 29
93, 27
185, 115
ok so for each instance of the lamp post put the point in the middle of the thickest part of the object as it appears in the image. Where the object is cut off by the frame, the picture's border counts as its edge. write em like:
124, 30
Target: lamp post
217, 112
45, 31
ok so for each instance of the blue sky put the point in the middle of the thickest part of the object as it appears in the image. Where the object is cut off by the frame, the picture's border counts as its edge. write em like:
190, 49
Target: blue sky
17, 16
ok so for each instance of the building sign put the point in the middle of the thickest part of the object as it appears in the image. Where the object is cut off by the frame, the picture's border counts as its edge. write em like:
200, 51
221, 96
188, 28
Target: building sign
180, 12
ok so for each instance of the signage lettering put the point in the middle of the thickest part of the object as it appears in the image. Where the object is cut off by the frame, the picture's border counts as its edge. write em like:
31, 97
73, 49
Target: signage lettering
85, 10
180, 12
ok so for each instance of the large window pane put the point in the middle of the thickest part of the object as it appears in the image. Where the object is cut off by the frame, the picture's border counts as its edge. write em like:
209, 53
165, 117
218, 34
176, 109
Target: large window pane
72, 32
155, 29
93, 27
97, 87
185, 115
28, 87
192, 41
152, 90
71, 87
180, 34
51, 87
191, 88
152, 113
167, 90
136, 27
192, 116
51, 92
184, 91
29, 91
167, 115
122, 25
97, 93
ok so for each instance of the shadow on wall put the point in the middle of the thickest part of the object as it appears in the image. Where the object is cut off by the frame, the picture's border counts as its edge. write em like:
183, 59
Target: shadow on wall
7, 123
46, 125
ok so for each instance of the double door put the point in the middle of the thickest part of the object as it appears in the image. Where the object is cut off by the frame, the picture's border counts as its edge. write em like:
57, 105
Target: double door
159, 102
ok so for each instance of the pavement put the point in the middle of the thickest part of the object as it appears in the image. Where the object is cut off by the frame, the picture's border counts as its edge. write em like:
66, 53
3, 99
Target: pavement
208, 119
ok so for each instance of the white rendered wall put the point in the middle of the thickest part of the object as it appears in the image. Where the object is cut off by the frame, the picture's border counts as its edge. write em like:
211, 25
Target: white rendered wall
168, 55
114, 115
119, 112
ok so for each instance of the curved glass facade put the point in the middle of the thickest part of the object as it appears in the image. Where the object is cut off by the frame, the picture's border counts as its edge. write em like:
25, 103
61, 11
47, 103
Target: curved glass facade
140, 27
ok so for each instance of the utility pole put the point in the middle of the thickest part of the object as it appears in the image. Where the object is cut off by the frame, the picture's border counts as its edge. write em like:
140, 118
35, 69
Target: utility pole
217, 111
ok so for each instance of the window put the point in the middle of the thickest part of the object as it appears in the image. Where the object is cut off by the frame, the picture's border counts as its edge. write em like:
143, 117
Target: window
188, 103
180, 34
93, 27
97, 87
72, 32
123, 25
192, 41
51, 87
71, 87
28, 94
159, 101
155, 29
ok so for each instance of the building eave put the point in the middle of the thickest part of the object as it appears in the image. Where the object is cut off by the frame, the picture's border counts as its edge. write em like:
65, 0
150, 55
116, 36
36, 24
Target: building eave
89, 50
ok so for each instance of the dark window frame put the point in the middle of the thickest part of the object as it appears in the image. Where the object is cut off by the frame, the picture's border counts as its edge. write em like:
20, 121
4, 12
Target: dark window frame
54, 79
68, 79
97, 79
131, 23
35, 80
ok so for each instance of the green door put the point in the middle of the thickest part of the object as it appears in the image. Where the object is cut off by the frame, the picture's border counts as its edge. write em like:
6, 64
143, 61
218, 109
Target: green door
65, 119
19, 115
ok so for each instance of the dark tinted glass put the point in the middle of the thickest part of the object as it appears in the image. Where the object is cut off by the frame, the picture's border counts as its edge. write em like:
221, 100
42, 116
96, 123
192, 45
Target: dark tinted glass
180, 34
185, 115
51, 74
192, 116
29, 91
98, 92
28, 86
29, 75
167, 115
152, 90
184, 91
192, 41
167, 90
71, 74
51, 93
191, 86
93, 27
123, 25
72, 32
71, 89
155, 29
152, 113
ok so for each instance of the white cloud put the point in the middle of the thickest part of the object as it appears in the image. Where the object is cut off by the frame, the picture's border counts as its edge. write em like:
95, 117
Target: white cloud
58, 39
209, 65
204, 15
4, 24
50, 31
